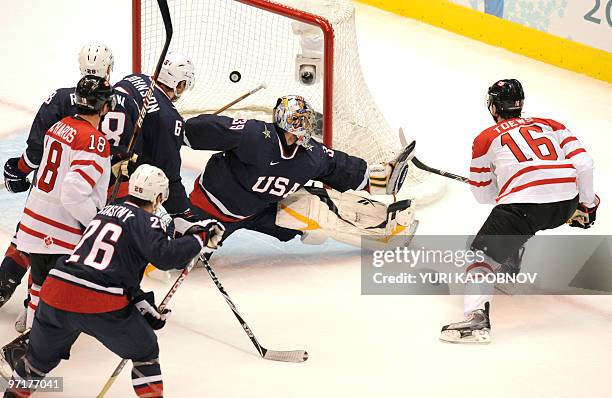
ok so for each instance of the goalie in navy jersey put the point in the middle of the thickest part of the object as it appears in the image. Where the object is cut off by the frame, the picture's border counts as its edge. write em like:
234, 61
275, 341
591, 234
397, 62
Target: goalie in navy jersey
96, 290
255, 182
96, 59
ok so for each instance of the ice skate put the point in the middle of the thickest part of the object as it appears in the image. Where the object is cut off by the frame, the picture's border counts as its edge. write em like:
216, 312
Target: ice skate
476, 329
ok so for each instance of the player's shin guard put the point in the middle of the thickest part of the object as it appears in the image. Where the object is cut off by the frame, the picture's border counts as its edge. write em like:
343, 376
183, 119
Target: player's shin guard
147, 379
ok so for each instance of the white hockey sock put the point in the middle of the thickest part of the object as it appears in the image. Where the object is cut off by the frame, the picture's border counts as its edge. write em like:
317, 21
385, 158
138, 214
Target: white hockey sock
477, 294
32, 305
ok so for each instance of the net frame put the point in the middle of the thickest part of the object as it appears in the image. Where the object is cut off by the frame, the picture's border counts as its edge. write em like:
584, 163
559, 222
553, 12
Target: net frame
422, 186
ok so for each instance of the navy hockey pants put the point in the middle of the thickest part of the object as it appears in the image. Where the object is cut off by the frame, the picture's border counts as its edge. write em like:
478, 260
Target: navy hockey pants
125, 332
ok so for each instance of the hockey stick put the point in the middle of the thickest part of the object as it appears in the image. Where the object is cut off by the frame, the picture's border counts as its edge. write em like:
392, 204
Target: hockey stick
423, 166
242, 97
283, 356
161, 307
165, 13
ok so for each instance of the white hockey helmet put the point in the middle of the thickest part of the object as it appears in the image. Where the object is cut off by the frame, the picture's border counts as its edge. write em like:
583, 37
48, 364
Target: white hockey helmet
96, 58
294, 114
175, 69
148, 182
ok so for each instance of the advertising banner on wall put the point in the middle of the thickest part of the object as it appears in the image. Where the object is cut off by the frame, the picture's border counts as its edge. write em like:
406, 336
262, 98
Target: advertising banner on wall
586, 21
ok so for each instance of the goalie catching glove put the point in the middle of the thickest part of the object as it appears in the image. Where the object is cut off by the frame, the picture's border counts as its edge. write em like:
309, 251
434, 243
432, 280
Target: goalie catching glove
209, 231
388, 178
584, 216
145, 303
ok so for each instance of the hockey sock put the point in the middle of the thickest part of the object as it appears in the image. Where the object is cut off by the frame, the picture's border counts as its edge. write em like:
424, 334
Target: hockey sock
15, 263
22, 377
477, 294
34, 298
147, 379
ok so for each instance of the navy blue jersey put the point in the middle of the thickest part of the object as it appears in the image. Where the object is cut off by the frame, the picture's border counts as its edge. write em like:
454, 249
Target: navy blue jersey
257, 167
162, 137
59, 104
117, 125
109, 261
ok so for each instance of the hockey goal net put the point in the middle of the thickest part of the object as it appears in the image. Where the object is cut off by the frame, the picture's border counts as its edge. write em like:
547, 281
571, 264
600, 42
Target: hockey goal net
304, 47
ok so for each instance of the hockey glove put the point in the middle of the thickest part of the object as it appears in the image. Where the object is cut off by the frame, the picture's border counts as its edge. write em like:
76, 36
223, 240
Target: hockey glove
584, 216
209, 231
124, 164
15, 180
388, 178
145, 302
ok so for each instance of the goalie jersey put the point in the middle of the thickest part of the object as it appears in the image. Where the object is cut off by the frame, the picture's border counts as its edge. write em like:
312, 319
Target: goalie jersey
109, 261
69, 189
530, 160
257, 168
162, 137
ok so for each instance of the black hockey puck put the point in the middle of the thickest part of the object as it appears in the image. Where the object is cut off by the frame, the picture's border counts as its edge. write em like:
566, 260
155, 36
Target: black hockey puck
235, 76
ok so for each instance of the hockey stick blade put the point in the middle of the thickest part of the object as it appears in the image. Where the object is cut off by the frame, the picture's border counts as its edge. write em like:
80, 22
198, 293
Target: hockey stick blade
286, 356
282, 356
442, 173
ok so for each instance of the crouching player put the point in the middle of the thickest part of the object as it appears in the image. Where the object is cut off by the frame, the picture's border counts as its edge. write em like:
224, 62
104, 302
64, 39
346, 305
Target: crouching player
254, 183
96, 290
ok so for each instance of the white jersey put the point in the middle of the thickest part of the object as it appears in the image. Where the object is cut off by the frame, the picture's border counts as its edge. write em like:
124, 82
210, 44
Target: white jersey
530, 161
69, 189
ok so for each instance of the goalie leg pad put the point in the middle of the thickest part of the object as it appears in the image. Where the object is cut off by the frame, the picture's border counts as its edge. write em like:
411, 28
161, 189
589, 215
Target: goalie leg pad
349, 217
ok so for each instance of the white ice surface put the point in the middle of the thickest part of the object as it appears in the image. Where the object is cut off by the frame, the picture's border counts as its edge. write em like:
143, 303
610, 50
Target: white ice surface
432, 83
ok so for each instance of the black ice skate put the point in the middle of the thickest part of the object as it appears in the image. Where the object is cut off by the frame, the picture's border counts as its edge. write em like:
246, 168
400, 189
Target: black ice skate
476, 329
15, 350
7, 288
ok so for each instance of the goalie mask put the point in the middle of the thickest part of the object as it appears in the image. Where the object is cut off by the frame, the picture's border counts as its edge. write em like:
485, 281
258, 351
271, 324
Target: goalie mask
294, 115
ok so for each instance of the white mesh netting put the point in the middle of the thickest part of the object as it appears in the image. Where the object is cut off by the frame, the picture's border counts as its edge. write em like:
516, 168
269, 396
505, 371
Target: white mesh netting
225, 36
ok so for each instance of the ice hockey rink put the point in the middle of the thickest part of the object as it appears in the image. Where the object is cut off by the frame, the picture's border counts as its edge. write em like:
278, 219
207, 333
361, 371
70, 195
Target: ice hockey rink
293, 296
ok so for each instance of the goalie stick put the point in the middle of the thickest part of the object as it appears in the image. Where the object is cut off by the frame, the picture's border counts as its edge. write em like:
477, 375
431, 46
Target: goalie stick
165, 13
162, 306
283, 356
423, 166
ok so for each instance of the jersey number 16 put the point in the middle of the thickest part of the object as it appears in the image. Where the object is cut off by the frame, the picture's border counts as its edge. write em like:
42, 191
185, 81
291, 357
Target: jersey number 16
542, 147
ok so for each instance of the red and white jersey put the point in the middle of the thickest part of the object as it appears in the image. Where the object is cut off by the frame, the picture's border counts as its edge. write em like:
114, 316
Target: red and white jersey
69, 189
525, 160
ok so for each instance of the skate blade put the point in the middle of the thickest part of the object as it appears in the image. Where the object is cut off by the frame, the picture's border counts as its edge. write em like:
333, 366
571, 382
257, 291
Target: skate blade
477, 337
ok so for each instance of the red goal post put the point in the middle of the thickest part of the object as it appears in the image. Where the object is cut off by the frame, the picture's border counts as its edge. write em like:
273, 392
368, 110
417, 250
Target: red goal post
270, 41
280, 9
